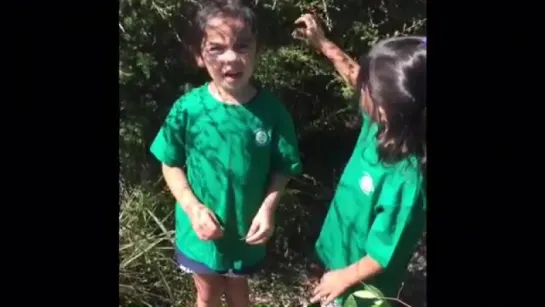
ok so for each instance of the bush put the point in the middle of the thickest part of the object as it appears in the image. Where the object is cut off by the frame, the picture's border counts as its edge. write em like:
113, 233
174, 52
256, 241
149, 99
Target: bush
154, 71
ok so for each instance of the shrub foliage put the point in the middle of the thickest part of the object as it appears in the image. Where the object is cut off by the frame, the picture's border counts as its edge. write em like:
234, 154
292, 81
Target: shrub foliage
155, 68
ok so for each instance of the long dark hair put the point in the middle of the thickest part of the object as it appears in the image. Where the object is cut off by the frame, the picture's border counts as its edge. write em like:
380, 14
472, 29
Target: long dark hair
394, 75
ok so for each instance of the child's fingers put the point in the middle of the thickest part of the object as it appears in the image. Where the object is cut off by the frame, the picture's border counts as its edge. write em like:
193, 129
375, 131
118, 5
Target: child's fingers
253, 229
258, 240
213, 217
213, 221
299, 34
328, 299
209, 227
218, 233
255, 236
255, 241
317, 297
307, 21
209, 232
264, 236
203, 233
302, 20
208, 223
321, 293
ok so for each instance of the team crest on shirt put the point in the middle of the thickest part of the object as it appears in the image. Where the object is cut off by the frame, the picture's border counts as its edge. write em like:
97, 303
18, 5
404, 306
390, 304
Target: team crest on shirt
367, 185
261, 137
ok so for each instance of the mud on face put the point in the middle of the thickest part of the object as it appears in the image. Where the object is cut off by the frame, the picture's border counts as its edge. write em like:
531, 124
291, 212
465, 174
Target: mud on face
228, 51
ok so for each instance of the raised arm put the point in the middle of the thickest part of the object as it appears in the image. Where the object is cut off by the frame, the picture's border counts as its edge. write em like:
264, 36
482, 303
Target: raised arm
310, 31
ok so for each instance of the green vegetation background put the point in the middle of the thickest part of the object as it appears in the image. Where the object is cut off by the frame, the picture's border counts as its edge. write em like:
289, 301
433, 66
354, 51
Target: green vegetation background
154, 70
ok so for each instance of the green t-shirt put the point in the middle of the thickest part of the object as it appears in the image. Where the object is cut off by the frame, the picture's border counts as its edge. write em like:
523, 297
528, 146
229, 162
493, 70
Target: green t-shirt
229, 152
378, 210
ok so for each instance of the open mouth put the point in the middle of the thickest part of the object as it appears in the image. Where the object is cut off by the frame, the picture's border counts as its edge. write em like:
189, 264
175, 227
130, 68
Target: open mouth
232, 75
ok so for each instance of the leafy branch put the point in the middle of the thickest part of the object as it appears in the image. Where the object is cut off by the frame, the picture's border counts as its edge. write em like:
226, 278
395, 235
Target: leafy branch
372, 293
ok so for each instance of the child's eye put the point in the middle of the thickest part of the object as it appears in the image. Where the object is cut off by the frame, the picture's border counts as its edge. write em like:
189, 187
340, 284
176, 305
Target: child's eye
215, 49
242, 47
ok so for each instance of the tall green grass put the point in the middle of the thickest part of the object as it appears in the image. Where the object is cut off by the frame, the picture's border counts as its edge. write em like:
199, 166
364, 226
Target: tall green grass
148, 275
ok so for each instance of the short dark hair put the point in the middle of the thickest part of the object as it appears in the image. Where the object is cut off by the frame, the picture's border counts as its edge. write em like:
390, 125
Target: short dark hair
394, 73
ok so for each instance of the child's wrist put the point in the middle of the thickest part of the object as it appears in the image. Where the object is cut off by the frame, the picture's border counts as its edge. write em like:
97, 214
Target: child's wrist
269, 206
362, 270
352, 276
190, 206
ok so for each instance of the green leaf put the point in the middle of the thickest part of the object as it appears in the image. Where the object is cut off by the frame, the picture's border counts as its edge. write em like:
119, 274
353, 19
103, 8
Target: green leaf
381, 303
372, 293
366, 294
350, 302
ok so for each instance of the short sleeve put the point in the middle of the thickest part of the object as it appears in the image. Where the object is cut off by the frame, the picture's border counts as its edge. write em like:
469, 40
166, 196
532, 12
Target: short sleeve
169, 143
286, 158
399, 223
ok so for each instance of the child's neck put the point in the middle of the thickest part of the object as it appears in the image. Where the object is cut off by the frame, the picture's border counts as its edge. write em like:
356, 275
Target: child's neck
240, 96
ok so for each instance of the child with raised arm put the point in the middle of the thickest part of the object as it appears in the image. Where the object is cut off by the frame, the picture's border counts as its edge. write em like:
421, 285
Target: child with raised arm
378, 212
227, 150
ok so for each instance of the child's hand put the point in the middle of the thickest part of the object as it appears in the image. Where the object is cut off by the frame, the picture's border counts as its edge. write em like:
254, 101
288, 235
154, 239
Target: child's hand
332, 285
309, 30
204, 223
262, 227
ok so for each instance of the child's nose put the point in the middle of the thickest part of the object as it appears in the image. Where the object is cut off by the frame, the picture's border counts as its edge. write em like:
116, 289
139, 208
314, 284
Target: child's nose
230, 56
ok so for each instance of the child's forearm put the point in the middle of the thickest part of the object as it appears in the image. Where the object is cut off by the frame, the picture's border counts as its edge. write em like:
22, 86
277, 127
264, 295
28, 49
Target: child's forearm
179, 187
345, 66
274, 192
362, 270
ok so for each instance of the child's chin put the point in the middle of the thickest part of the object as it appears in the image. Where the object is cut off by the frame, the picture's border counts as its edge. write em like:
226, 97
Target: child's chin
235, 84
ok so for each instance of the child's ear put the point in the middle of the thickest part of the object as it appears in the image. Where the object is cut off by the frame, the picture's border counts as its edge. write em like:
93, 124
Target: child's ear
199, 60
381, 113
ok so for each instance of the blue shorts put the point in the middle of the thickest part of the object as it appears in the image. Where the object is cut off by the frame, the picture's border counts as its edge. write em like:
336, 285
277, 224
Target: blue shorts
194, 267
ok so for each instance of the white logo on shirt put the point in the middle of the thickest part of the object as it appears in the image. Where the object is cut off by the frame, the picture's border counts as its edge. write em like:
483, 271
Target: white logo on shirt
261, 137
366, 184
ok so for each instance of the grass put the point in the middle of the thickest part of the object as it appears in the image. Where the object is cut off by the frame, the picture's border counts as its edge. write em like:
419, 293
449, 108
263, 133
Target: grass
147, 272
148, 275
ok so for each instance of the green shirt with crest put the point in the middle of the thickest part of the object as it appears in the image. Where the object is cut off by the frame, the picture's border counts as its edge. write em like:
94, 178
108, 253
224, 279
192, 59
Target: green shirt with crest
378, 210
229, 153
